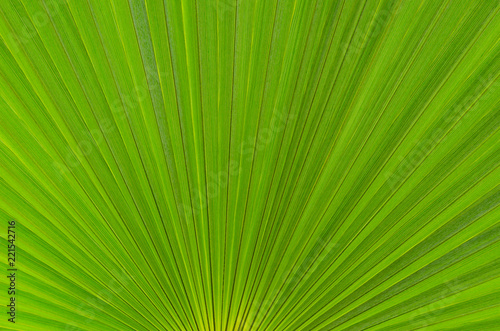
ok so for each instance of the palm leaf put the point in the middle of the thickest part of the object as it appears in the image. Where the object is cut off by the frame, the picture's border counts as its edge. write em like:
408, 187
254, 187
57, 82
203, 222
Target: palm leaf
251, 164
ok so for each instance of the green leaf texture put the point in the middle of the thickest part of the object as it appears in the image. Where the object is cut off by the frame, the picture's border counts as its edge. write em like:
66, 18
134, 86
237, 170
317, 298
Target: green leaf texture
251, 164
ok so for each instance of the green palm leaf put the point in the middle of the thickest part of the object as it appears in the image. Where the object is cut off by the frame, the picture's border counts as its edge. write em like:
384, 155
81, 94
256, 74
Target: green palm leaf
250, 164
